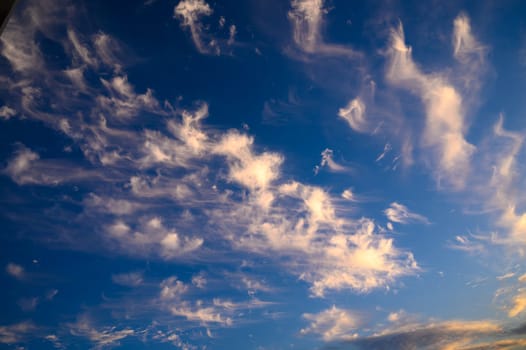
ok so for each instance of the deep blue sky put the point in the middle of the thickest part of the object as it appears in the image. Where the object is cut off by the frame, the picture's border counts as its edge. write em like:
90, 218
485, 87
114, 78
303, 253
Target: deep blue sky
263, 175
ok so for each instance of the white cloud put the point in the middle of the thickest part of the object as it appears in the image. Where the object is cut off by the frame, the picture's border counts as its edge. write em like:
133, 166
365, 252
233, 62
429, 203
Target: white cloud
55, 340
130, 279
256, 172
445, 126
171, 289
232, 31
28, 304
327, 159
76, 75
26, 168
467, 244
333, 324
152, 237
465, 44
201, 314
399, 213
326, 250
199, 280
16, 333
51, 294
255, 209
349, 195
101, 337
387, 149
80, 49
20, 48
190, 12
15, 270
123, 101
254, 285
502, 186
469, 53
6, 112
354, 114
519, 305
307, 19
108, 50
505, 276
111, 205
17, 168
189, 132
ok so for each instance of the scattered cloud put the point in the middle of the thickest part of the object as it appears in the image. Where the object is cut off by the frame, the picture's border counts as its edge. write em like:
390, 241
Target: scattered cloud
399, 213
349, 195
327, 160
470, 244
17, 333
333, 324
171, 289
307, 19
27, 168
190, 12
124, 101
232, 31
15, 270
109, 51
445, 125
203, 315
469, 52
519, 305
112, 205
6, 112
130, 279
19, 46
28, 304
81, 49
152, 237
199, 280
354, 115
101, 337
505, 276
387, 149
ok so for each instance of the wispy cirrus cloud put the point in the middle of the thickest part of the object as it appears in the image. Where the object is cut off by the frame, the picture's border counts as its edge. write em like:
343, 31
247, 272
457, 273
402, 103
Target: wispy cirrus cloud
190, 12
333, 324
469, 52
150, 181
327, 160
354, 113
445, 124
17, 332
400, 214
16, 271
100, 337
151, 237
6, 112
26, 167
307, 19
129, 279
179, 299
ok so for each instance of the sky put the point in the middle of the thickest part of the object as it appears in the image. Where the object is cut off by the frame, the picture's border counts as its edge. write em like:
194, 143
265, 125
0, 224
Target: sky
263, 174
